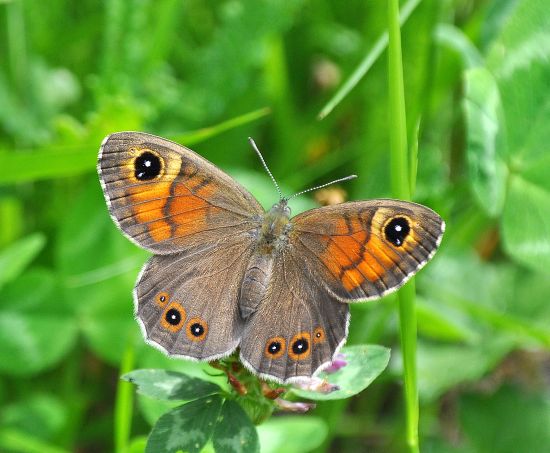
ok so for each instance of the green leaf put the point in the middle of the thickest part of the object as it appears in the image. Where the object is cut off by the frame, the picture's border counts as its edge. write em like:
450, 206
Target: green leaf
442, 367
464, 283
364, 364
39, 414
149, 357
50, 162
486, 141
30, 311
292, 434
62, 161
526, 223
15, 258
170, 385
19, 441
98, 267
443, 323
187, 427
454, 38
520, 60
234, 432
506, 422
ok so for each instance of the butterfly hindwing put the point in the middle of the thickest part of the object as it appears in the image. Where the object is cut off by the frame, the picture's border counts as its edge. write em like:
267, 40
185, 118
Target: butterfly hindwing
297, 327
186, 303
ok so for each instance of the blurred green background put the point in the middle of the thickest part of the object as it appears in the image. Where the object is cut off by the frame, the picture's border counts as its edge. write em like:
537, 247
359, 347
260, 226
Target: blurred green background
210, 74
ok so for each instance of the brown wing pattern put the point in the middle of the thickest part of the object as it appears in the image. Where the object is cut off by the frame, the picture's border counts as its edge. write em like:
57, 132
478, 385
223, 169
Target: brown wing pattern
186, 303
165, 197
298, 326
366, 249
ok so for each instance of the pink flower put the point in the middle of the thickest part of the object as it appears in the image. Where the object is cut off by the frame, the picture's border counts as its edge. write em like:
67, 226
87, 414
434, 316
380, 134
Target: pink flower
338, 362
294, 406
315, 384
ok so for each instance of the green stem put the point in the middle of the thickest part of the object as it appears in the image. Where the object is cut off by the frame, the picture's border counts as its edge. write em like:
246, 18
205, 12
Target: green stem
401, 188
124, 403
17, 52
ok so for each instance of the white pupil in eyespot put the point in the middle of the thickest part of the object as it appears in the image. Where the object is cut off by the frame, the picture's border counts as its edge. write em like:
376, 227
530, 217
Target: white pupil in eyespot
398, 227
147, 163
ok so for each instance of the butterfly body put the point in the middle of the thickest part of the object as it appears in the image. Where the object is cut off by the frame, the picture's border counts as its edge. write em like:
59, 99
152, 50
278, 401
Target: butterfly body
227, 274
275, 229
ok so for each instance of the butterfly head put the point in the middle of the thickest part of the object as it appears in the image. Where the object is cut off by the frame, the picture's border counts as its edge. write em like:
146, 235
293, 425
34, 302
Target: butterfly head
281, 209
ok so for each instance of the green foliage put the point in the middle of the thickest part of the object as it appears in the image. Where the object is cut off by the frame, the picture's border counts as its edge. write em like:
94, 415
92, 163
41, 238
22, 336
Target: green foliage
169, 385
226, 419
210, 74
307, 433
364, 365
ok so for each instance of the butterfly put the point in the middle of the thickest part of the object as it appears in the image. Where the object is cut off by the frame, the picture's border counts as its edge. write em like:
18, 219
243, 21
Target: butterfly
226, 274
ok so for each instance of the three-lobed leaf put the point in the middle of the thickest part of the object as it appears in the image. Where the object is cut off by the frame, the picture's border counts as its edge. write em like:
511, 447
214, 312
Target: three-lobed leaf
364, 364
507, 111
170, 385
211, 418
187, 427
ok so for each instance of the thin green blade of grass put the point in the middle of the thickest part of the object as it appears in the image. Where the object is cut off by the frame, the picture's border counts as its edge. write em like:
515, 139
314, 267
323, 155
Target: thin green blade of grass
193, 137
62, 161
372, 56
124, 403
401, 188
12, 439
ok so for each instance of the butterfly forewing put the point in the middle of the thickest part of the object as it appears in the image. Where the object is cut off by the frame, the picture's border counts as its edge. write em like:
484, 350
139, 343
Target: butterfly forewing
166, 198
365, 249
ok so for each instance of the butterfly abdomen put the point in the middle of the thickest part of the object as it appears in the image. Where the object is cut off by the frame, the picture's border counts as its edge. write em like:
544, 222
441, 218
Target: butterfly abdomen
255, 283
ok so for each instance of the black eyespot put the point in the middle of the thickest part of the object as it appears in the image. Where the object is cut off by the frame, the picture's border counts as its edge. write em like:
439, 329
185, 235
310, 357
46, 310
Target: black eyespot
147, 166
162, 298
196, 329
173, 317
300, 346
397, 230
274, 347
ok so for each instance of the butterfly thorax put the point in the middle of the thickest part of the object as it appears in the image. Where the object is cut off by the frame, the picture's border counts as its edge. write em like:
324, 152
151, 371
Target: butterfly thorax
275, 227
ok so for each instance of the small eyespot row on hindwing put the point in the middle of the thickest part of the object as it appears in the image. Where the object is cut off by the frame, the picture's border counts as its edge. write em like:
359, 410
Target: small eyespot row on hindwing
275, 347
318, 335
196, 329
396, 230
300, 346
162, 299
147, 164
173, 317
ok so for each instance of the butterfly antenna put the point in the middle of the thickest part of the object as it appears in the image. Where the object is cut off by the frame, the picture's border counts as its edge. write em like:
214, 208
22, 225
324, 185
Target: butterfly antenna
347, 178
265, 166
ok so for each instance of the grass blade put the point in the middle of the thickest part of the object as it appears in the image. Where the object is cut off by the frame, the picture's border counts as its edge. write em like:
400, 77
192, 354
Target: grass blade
401, 188
62, 161
367, 62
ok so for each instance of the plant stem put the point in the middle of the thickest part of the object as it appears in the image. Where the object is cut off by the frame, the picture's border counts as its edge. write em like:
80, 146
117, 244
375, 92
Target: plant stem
401, 188
124, 403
